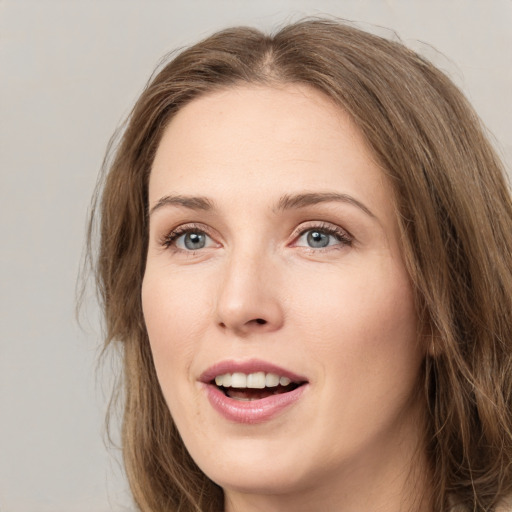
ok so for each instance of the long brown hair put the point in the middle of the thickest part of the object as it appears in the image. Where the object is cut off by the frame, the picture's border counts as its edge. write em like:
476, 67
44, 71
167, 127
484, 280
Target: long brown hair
455, 214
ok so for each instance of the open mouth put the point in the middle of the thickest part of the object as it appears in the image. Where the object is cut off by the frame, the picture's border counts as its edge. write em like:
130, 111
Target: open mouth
254, 386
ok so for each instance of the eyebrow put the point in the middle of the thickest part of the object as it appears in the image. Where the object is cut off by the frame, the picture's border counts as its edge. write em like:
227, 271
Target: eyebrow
286, 202
190, 202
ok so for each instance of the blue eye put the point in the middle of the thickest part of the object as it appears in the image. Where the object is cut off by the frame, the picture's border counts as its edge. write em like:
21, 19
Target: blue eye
192, 241
188, 239
319, 238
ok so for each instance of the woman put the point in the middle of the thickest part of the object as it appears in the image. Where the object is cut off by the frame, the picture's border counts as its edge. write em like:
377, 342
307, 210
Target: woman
306, 252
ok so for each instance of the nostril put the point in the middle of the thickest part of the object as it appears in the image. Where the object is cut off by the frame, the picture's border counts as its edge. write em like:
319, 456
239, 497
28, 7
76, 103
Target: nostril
260, 321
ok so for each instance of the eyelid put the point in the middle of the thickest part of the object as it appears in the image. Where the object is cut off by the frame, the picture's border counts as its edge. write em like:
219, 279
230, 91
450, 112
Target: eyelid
343, 235
168, 239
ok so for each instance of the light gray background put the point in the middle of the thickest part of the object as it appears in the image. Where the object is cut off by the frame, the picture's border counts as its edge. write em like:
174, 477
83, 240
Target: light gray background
70, 71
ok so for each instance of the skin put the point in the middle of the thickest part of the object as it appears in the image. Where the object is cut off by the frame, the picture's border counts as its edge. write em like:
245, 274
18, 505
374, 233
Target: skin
342, 315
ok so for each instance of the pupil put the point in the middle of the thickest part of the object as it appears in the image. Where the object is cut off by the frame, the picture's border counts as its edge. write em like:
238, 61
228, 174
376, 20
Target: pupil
194, 240
317, 239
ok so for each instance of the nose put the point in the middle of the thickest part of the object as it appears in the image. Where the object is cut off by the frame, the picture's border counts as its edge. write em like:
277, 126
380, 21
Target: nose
248, 301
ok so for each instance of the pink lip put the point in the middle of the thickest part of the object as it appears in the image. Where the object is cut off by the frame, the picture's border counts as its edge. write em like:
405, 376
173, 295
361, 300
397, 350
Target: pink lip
255, 411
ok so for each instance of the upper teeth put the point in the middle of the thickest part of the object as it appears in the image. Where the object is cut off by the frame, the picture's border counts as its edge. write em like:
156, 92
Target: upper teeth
258, 380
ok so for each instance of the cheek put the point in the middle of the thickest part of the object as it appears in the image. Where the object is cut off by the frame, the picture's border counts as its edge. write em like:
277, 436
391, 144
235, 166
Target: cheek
365, 296
361, 321
363, 337
172, 306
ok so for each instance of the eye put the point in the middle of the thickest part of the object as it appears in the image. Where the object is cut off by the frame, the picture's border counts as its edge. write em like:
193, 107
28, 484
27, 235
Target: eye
192, 241
320, 237
188, 239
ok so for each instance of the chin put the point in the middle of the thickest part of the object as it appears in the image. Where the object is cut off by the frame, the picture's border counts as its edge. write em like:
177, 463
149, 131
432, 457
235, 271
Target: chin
257, 480
250, 467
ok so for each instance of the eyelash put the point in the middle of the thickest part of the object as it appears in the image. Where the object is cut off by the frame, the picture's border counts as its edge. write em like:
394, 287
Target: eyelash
171, 237
341, 235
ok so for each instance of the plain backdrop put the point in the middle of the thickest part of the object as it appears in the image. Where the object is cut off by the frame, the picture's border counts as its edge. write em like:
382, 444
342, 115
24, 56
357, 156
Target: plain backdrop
69, 73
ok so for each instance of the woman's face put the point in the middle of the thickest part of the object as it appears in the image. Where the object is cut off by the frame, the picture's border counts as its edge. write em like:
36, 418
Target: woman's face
274, 257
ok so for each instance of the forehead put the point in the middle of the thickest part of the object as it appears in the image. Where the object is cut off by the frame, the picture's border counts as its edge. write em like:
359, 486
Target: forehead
259, 141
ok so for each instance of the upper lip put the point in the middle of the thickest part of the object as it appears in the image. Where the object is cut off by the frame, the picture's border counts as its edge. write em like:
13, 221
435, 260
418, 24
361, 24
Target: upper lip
248, 366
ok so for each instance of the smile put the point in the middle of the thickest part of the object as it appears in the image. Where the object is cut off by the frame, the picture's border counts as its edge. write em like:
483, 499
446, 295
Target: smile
251, 392
254, 386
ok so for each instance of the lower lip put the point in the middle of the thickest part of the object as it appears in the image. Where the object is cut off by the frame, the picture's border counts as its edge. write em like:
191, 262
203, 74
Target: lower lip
254, 411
